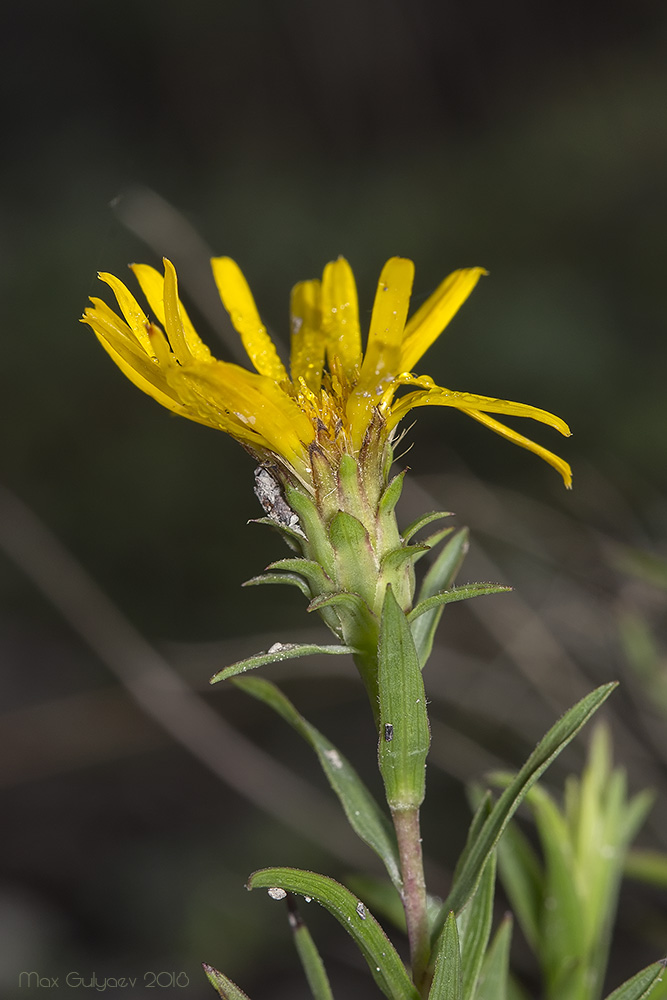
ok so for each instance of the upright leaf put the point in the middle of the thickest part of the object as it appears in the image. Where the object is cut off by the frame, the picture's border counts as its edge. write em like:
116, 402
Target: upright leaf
440, 576
404, 731
545, 752
494, 976
447, 980
474, 925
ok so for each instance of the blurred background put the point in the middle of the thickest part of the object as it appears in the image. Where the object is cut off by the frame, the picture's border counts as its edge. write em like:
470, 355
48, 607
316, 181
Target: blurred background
529, 139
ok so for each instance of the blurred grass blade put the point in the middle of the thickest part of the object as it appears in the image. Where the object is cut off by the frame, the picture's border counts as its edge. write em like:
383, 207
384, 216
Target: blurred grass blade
313, 966
386, 967
647, 866
404, 731
362, 811
440, 576
546, 751
493, 979
279, 651
641, 985
225, 987
447, 980
474, 926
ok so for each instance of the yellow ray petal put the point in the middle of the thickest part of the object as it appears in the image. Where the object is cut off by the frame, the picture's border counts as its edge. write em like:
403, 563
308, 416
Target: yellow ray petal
258, 404
431, 319
340, 316
390, 310
130, 308
104, 314
172, 315
433, 395
558, 463
152, 285
140, 370
239, 303
307, 340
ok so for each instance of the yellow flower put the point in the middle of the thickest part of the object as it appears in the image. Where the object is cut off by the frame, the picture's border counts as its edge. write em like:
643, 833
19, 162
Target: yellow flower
335, 396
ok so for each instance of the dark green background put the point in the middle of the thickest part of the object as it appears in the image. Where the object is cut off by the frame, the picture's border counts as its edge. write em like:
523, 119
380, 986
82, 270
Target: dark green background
526, 138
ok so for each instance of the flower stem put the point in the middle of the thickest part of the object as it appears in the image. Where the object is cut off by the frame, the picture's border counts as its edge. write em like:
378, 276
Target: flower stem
406, 824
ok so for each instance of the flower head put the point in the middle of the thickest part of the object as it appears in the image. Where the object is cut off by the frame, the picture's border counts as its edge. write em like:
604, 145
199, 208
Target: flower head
337, 398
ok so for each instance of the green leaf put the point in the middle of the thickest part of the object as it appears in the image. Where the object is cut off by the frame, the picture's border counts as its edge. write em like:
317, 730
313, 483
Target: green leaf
522, 879
640, 985
404, 731
276, 654
494, 976
482, 813
422, 521
386, 967
447, 980
566, 924
293, 536
393, 560
545, 752
381, 896
385, 899
313, 966
354, 607
440, 576
308, 569
312, 527
225, 987
362, 811
355, 560
647, 866
437, 537
292, 579
462, 593
391, 495
474, 926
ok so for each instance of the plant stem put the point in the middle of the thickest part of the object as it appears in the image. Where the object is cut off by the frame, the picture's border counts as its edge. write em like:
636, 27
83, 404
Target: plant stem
406, 824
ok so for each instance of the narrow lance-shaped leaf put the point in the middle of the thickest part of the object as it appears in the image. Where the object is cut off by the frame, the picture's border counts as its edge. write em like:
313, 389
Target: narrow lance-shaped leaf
276, 654
404, 731
362, 811
493, 980
474, 926
291, 579
386, 967
313, 966
642, 984
440, 576
522, 878
546, 751
422, 521
447, 980
482, 813
225, 987
462, 593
